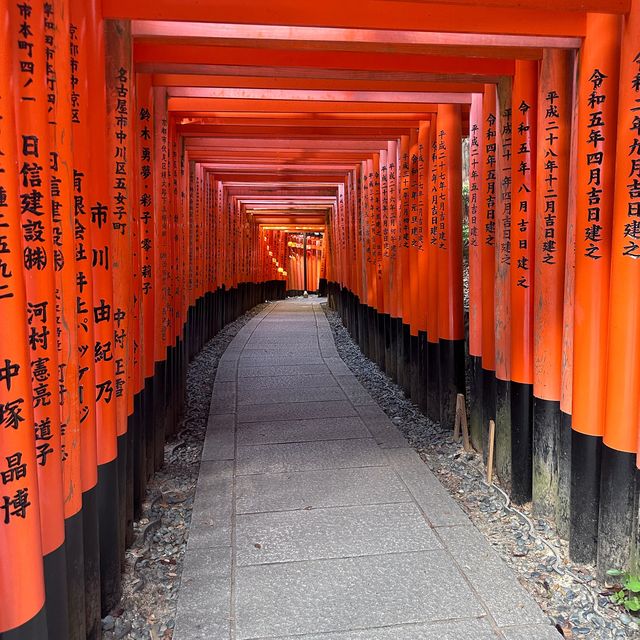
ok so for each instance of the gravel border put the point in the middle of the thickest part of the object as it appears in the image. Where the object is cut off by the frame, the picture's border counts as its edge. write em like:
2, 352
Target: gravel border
153, 565
567, 592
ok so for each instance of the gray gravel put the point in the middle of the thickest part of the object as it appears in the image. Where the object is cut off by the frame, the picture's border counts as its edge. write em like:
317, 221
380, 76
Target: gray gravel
567, 592
153, 569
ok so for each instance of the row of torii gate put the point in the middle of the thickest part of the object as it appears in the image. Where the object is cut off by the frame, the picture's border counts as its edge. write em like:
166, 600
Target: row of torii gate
154, 157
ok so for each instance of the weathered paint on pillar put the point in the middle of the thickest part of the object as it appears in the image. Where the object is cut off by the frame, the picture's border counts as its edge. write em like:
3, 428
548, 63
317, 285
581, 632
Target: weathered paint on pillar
523, 199
488, 205
62, 194
39, 262
615, 528
502, 297
433, 346
595, 183
476, 168
449, 244
22, 590
554, 137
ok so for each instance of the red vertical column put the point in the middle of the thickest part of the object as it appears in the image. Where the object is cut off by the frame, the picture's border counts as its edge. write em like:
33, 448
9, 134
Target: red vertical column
62, 196
617, 510
161, 269
449, 245
22, 590
488, 206
394, 307
102, 264
84, 305
523, 181
404, 269
120, 151
433, 341
378, 317
476, 168
39, 263
566, 377
414, 279
503, 287
145, 205
597, 126
554, 137
421, 298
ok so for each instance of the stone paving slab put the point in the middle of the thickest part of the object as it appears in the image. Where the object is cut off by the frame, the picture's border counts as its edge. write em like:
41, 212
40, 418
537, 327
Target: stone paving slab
340, 594
301, 430
466, 629
278, 370
257, 360
309, 489
437, 505
507, 602
269, 396
301, 381
205, 607
295, 411
308, 456
314, 519
336, 532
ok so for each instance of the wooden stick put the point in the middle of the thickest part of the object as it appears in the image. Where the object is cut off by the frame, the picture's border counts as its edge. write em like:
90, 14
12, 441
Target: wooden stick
492, 437
466, 443
458, 421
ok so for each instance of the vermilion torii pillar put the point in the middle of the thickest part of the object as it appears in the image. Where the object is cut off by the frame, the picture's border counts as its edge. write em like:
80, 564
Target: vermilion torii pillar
502, 298
597, 126
523, 202
488, 206
553, 147
449, 245
57, 29
22, 591
39, 263
616, 534
476, 169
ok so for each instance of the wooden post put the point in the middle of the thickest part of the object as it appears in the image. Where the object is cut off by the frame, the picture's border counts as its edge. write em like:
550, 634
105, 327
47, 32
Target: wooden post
492, 441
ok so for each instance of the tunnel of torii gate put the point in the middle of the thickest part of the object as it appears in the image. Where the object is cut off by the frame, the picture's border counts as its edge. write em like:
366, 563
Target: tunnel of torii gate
163, 165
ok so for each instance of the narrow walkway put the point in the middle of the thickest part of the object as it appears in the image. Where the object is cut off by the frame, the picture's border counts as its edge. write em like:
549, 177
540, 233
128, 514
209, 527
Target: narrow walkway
314, 519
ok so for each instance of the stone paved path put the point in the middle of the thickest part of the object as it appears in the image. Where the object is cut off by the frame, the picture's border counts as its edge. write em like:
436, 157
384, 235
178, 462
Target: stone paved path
314, 519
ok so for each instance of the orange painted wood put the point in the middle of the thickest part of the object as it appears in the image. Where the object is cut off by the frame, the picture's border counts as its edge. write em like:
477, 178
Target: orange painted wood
370, 14
595, 184
476, 171
449, 234
554, 137
144, 131
83, 250
424, 175
432, 249
504, 234
523, 202
33, 155
60, 130
102, 255
623, 354
161, 223
21, 576
392, 204
120, 142
488, 206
